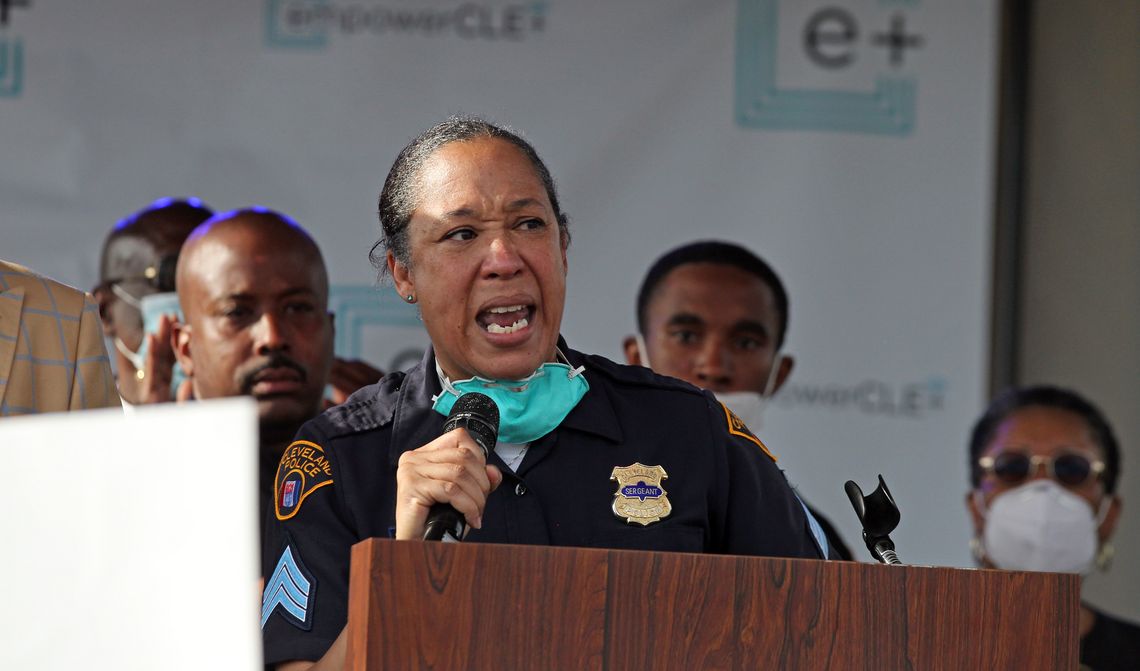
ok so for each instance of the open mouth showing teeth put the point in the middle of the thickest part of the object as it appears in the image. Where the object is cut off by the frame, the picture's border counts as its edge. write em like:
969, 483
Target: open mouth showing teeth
506, 319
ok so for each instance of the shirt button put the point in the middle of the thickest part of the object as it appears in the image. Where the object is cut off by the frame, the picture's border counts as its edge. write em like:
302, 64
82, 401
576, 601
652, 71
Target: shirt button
520, 489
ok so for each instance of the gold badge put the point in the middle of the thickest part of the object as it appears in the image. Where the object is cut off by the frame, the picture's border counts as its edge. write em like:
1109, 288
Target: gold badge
640, 497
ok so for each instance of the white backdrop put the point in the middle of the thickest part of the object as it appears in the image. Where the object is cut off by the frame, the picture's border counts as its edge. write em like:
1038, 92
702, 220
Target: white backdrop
862, 171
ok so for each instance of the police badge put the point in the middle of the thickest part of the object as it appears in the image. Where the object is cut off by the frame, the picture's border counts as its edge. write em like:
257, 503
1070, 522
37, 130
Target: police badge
640, 497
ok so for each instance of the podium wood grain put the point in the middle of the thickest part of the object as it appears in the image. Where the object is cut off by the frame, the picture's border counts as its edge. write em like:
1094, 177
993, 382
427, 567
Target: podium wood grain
467, 606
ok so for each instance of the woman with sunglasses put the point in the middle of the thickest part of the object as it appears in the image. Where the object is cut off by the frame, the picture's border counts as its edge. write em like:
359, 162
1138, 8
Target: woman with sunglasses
1044, 464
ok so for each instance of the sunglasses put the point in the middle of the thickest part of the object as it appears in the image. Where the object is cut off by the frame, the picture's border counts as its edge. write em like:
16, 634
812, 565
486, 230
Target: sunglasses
159, 276
1070, 469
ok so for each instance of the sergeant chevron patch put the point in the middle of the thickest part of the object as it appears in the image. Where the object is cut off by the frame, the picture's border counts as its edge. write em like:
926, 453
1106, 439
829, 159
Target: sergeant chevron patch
291, 588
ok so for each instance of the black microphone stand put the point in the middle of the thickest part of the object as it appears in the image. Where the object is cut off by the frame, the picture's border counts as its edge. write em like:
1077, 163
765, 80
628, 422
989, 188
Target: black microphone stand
879, 516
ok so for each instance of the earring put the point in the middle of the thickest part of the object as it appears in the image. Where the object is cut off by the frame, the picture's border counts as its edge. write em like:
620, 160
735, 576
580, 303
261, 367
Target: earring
410, 298
978, 550
1104, 556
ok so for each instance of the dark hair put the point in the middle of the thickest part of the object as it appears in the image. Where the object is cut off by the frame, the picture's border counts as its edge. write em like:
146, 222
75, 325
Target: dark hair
400, 194
164, 223
1042, 396
721, 253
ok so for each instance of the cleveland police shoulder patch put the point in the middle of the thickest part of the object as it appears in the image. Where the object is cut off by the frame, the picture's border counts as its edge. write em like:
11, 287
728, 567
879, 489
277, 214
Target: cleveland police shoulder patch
303, 470
737, 428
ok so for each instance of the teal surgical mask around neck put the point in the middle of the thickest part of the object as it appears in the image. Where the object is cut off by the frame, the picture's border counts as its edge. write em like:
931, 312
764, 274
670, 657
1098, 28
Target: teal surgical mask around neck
529, 408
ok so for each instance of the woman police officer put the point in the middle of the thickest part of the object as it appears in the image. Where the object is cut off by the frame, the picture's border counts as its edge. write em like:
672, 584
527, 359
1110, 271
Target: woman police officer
589, 453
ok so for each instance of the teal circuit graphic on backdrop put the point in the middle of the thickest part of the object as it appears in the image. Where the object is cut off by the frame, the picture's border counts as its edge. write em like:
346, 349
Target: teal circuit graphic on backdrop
359, 308
282, 29
11, 50
11, 67
832, 38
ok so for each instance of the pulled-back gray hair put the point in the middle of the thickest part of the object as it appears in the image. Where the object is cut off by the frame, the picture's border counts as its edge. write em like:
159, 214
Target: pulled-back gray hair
399, 197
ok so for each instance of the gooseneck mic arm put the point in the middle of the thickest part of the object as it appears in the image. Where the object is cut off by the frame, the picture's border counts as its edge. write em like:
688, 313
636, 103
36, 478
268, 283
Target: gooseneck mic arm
879, 516
480, 416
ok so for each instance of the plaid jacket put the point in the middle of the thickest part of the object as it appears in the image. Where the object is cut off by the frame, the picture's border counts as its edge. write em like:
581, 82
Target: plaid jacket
51, 347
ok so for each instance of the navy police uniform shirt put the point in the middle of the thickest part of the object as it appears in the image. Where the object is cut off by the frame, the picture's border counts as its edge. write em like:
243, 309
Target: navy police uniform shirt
642, 462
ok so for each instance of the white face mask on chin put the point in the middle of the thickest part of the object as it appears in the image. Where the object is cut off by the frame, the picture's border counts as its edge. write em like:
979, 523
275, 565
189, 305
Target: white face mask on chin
747, 405
1041, 526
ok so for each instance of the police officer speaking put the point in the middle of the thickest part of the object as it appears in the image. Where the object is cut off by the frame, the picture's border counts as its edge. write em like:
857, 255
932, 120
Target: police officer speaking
588, 452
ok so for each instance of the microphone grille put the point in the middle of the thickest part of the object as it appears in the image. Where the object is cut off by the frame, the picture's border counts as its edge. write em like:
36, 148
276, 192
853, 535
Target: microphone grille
479, 415
477, 404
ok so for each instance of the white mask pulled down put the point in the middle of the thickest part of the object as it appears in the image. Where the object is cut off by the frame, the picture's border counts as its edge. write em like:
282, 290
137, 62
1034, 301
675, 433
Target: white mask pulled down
1041, 526
747, 405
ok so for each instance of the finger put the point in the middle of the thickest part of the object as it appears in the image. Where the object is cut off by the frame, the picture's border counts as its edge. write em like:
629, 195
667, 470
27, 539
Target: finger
472, 480
449, 469
158, 367
457, 438
456, 447
411, 515
157, 372
342, 367
164, 334
341, 389
442, 461
159, 361
495, 476
163, 330
338, 395
471, 507
348, 376
416, 496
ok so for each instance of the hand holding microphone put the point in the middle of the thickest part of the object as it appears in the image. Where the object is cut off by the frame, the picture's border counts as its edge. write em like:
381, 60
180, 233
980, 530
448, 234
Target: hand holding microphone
442, 487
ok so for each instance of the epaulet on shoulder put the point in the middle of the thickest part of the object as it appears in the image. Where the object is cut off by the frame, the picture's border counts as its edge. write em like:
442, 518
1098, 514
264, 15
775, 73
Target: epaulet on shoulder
636, 375
364, 410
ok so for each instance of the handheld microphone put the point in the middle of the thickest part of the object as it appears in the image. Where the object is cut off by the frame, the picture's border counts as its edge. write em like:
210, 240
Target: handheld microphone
480, 416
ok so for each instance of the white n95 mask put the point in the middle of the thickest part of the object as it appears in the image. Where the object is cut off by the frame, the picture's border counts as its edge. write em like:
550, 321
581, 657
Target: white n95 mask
1041, 526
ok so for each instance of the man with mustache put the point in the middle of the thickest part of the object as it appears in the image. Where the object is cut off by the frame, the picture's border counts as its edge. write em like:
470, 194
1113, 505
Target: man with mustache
254, 293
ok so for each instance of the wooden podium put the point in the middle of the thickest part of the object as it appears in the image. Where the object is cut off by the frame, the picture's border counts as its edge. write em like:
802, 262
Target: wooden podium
419, 605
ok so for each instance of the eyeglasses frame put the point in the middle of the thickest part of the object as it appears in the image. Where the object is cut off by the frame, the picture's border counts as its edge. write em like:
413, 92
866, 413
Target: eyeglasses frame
1096, 466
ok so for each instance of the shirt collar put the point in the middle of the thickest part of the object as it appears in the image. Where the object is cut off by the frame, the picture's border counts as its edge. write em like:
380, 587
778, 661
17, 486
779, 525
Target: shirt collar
595, 412
415, 423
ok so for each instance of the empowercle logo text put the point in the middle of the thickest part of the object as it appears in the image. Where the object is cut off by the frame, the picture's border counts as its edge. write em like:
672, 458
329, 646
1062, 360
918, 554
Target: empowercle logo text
310, 24
905, 400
